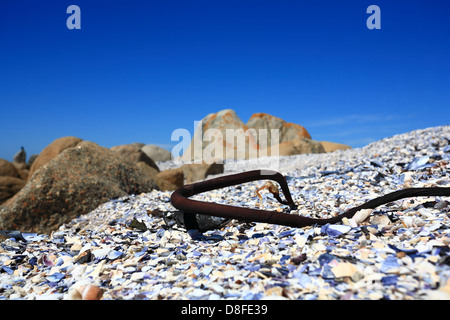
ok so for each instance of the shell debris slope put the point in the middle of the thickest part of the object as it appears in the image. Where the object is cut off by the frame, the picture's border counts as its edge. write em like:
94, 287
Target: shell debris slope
124, 250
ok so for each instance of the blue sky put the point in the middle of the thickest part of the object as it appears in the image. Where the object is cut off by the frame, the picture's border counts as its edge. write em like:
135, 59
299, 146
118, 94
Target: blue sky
138, 70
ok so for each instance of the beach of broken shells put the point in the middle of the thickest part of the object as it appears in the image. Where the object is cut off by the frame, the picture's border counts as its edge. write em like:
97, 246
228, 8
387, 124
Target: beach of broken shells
125, 250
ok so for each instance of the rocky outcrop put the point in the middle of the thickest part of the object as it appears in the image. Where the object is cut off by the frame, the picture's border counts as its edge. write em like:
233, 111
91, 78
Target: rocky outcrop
287, 131
263, 120
262, 135
73, 183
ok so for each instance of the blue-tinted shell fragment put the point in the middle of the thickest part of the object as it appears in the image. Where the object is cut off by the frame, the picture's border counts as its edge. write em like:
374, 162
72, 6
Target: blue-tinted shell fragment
389, 264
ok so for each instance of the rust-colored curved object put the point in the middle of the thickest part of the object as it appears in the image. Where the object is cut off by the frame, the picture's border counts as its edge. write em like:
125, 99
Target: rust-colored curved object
180, 200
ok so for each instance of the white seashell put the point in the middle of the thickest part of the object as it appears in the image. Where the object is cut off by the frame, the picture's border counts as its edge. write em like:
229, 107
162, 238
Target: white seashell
64, 261
344, 269
423, 247
114, 254
349, 222
47, 260
335, 230
407, 177
426, 213
418, 163
85, 248
74, 294
381, 220
137, 276
361, 215
76, 247
101, 253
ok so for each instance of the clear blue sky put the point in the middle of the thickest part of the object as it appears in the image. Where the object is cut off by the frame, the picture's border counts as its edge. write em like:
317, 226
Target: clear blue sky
138, 70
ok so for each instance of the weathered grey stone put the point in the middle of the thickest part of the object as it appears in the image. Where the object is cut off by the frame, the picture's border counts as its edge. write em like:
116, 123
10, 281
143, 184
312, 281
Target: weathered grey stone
156, 153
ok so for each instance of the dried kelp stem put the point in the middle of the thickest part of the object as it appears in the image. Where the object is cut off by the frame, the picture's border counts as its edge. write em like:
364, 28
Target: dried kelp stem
180, 200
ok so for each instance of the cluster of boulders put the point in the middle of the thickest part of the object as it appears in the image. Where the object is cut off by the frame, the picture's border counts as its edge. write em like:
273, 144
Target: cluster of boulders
71, 176
262, 135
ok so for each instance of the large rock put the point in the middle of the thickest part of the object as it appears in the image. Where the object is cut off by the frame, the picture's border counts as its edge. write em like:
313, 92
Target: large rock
263, 120
77, 181
199, 171
7, 169
213, 129
262, 132
163, 184
52, 151
292, 131
174, 176
156, 153
9, 186
134, 154
287, 131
